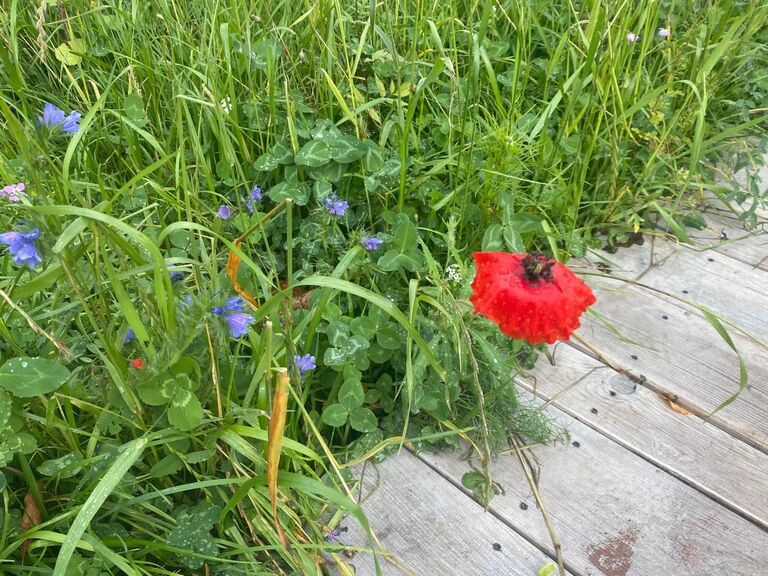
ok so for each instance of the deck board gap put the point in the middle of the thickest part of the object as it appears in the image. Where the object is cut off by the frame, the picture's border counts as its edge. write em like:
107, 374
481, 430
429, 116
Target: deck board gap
546, 550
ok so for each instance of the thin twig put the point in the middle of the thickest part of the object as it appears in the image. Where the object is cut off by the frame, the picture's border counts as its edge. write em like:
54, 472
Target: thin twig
534, 488
63, 350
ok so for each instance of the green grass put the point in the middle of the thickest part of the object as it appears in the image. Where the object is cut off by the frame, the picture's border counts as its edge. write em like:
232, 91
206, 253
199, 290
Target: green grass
448, 127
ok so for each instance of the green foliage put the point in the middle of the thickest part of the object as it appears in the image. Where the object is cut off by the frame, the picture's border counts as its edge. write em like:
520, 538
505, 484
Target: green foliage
538, 126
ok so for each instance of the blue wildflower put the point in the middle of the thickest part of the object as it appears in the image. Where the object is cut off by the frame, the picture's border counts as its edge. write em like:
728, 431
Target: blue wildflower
238, 323
130, 336
332, 535
335, 206
224, 212
236, 304
255, 196
304, 363
54, 117
176, 275
371, 243
22, 247
218, 310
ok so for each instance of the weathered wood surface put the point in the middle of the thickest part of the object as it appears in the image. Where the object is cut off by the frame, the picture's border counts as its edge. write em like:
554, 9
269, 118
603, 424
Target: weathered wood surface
432, 528
680, 353
702, 455
731, 289
727, 235
617, 514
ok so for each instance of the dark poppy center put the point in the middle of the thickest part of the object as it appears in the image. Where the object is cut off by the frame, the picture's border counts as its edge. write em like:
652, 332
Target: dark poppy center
537, 268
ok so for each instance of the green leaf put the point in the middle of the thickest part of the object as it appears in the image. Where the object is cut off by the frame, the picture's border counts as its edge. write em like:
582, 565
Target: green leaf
98, 496
363, 326
493, 238
392, 260
346, 149
185, 411
69, 52
266, 162
296, 191
153, 395
335, 357
388, 337
134, 107
314, 154
338, 333
282, 153
472, 480
547, 570
404, 233
363, 420
6, 406
166, 466
64, 467
404, 253
193, 533
351, 394
27, 377
335, 415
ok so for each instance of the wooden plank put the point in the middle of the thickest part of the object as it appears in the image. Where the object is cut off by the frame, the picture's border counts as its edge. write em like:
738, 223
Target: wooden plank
679, 353
727, 235
432, 528
618, 515
728, 287
705, 456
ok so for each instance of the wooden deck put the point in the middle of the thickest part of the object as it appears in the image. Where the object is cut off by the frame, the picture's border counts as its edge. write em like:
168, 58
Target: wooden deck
650, 484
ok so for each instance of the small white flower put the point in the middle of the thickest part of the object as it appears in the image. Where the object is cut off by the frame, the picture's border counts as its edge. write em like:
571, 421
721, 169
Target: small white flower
664, 32
226, 104
453, 272
632, 37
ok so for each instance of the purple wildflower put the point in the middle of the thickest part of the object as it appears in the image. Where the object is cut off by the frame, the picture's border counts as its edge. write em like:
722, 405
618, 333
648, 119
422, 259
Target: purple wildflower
236, 304
22, 247
632, 37
371, 243
224, 212
335, 206
332, 535
55, 117
238, 323
130, 336
304, 363
664, 32
13, 191
255, 196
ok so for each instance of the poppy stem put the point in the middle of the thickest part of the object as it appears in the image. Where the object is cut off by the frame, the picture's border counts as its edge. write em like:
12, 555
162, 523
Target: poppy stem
486, 455
540, 503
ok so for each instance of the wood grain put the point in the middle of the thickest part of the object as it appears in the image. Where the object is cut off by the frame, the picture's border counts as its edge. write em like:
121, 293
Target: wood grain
619, 515
432, 528
728, 287
704, 456
679, 353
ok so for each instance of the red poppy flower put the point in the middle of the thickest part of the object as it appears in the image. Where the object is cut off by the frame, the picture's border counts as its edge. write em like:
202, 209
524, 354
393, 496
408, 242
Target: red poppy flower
530, 296
137, 363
